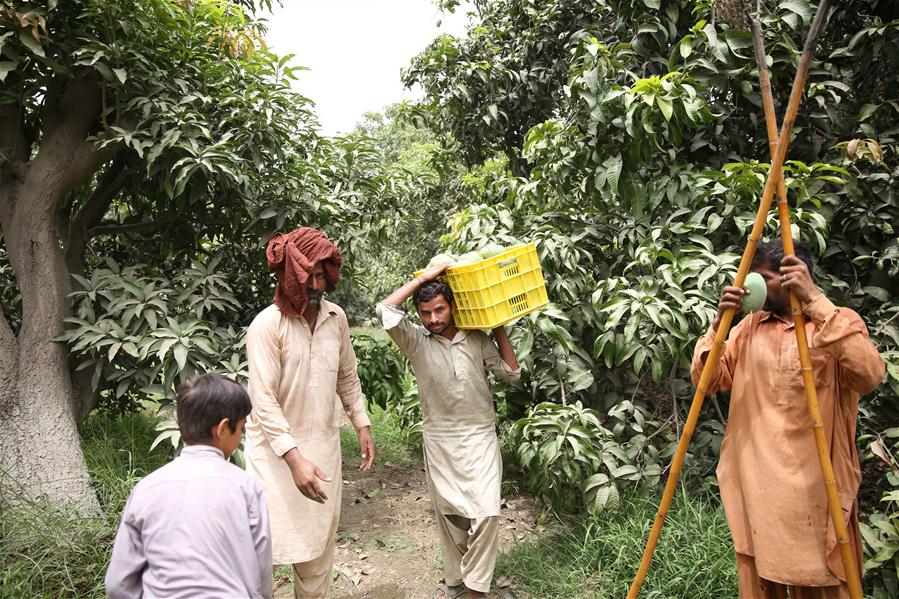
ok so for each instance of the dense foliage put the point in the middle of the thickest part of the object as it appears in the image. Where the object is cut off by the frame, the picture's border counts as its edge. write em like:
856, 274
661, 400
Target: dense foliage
635, 153
624, 137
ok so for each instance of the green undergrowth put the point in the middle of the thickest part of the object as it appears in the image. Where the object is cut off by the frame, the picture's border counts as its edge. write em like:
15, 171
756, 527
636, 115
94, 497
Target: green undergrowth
597, 556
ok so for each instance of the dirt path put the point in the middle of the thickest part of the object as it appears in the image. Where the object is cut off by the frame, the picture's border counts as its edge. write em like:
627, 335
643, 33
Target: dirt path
387, 544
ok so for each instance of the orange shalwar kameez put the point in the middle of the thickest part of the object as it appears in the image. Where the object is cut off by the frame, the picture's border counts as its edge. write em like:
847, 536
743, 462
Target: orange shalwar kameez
771, 484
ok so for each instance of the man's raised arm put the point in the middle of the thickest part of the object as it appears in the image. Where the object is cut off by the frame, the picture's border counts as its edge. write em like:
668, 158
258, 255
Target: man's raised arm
401, 294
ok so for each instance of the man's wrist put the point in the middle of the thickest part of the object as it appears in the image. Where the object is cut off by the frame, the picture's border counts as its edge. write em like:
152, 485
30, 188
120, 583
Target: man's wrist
293, 457
812, 296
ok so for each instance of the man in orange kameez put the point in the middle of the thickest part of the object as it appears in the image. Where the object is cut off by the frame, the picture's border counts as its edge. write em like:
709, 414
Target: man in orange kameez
771, 484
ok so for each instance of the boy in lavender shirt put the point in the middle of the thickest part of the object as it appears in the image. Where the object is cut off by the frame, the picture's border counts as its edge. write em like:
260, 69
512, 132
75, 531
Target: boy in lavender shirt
198, 526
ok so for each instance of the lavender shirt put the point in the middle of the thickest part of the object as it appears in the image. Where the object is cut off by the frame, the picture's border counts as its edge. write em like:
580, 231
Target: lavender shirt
197, 527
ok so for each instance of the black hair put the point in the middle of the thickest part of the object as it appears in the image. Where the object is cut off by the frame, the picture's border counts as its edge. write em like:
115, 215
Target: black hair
770, 253
204, 401
428, 291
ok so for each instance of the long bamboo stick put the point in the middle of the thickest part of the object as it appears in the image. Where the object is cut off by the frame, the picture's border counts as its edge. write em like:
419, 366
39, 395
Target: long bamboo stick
708, 371
853, 579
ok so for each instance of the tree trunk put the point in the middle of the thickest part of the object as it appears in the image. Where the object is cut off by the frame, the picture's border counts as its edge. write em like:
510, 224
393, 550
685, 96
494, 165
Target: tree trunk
40, 453
40, 450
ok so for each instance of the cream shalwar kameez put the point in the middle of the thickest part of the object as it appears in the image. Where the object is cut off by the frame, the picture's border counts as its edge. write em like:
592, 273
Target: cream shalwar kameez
461, 451
298, 381
771, 484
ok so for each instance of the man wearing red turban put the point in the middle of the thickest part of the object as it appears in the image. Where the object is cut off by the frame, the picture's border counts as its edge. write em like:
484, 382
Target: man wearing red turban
302, 369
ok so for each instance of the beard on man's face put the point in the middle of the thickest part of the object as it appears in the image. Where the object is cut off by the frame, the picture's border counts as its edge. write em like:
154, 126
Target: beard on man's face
436, 327
775, 304
315, 298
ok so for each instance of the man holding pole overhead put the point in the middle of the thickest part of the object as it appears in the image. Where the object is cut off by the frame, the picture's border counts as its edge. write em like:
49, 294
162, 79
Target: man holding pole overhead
770, 479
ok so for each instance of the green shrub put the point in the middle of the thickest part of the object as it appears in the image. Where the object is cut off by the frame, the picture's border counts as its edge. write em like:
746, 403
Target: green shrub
571, 460
54, 552
391, 441
381, 367
406, 411
142, 333
881, 531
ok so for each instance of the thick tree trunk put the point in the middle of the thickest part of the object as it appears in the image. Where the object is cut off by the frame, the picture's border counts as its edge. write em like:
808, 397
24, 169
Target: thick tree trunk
40, 451
40, 454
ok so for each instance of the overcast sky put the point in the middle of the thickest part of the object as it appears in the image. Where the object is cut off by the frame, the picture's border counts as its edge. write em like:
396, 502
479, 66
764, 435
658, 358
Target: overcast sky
355, 50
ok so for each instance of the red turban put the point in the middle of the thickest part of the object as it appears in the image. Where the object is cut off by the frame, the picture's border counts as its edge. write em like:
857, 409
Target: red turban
293, 256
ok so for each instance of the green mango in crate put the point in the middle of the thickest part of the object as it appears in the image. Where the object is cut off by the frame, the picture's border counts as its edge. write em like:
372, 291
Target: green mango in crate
468, 258
441, 259
490, 250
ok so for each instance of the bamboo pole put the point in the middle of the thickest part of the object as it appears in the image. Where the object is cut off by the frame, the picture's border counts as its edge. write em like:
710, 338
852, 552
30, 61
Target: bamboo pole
853, 580
771, 183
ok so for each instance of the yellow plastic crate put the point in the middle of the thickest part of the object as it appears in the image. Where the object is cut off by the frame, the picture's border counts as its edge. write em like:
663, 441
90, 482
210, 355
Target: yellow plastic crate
497, 290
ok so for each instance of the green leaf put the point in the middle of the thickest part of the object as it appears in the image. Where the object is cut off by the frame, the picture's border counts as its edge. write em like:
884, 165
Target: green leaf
33, 45
877, 292
6, 67
3, 38
104, 70
866, 111
180, 352
666, 107
613, 171
800, 7
718, 47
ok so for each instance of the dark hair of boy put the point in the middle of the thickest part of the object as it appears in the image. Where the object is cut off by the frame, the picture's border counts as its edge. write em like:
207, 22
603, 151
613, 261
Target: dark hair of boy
770, 253
204, 401
430, 290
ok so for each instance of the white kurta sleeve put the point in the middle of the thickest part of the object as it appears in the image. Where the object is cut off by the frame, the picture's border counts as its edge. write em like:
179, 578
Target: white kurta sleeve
349, 387
405, 334
496, 364
264, 361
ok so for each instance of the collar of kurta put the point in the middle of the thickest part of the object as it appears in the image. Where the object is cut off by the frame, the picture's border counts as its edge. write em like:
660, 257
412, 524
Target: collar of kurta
327, 309
459, 337
771, 315
201, 451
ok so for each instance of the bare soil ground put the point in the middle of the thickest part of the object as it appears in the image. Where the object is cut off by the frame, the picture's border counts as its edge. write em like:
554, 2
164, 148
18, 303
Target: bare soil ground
387, 545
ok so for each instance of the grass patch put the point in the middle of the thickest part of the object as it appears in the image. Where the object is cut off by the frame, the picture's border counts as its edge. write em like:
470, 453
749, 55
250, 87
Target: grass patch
117, 453
390, 442
55, 553
598, 556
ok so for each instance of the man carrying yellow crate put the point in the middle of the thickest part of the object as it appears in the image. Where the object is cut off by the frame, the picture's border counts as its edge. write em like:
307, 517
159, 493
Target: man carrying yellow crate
461, 451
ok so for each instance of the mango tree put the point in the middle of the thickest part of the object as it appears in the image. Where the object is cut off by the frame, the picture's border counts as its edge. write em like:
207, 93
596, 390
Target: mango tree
148, 125
640, 163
